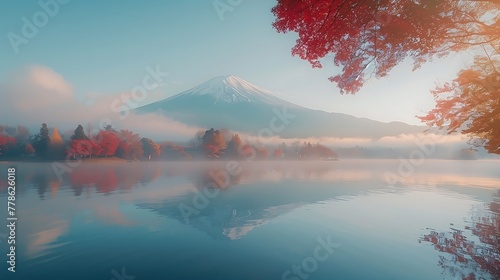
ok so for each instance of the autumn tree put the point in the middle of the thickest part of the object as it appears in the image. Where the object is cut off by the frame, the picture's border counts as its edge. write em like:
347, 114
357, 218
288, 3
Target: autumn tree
277, 154
233, 147
316, 151
130, 145
56, 148
82, 148
108, 142
171, 151
247, 151
28, 149
211, 151
369, 38
151, 148
213, 142
359, 33
13, 140
471, 104
325, 152
261, 152
5, 142
80, 144
22, 134
214, 137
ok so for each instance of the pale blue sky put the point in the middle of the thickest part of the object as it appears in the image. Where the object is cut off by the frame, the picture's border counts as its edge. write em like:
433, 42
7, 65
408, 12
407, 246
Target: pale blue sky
105, 46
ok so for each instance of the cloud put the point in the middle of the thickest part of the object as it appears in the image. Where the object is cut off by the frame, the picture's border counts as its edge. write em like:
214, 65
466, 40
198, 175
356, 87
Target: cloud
49, 80
38, 94
33, 88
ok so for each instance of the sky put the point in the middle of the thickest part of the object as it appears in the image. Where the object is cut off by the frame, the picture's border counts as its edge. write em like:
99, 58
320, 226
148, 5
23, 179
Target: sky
102, 49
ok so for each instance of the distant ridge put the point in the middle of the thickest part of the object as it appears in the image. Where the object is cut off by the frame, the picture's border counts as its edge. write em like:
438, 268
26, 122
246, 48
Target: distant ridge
233, 103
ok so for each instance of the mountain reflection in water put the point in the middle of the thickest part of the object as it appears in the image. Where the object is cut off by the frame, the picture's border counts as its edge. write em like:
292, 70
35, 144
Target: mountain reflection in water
136, 208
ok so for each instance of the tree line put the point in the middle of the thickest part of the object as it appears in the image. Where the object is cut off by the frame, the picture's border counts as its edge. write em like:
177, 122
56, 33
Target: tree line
17, 143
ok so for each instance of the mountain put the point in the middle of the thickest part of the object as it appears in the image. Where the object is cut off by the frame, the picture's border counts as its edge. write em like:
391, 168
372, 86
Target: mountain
235, 104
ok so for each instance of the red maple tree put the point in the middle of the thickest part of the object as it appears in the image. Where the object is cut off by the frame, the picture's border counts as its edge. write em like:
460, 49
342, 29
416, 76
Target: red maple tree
6, 141
362, 35
108, 142
359, 34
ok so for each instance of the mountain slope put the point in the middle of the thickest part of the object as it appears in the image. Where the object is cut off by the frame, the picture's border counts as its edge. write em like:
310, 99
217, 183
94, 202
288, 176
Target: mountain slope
235, 104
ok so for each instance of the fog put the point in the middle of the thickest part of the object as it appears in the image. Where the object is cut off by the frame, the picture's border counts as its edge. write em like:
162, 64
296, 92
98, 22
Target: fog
38, 94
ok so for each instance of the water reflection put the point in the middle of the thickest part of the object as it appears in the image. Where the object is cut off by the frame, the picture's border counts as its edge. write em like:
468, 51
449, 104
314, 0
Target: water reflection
124, 176
112, 204
108, 178
212, 207
472, 253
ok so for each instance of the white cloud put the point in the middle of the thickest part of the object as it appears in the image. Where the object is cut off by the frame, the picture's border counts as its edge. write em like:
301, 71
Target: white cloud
34, 88
38, 94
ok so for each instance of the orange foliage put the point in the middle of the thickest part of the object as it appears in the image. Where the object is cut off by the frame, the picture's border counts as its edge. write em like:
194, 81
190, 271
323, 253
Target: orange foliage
471, 104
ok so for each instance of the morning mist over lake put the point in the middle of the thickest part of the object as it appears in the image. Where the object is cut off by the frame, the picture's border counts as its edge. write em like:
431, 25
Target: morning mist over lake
274, 139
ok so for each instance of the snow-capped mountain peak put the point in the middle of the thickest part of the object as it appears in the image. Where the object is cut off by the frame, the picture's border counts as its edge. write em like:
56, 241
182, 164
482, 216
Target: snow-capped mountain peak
232, 89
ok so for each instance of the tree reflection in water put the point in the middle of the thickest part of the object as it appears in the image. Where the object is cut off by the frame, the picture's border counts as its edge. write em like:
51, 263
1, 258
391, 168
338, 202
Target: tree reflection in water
107, 179
473, 253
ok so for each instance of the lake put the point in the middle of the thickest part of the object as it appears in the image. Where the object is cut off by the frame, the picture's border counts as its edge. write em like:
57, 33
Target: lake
349, 219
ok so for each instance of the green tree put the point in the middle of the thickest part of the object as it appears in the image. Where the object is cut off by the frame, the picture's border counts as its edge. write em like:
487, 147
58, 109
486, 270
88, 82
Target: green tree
79, 134
109, 127
41, 141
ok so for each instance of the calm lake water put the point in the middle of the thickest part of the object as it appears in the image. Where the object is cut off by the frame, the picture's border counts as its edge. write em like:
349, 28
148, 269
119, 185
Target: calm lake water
350, 219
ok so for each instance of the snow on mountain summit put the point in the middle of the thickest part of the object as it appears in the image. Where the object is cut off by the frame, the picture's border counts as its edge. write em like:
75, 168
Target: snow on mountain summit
231, 89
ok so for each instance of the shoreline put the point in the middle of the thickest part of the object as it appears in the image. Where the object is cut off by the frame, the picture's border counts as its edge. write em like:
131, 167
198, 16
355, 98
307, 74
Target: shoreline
120, 160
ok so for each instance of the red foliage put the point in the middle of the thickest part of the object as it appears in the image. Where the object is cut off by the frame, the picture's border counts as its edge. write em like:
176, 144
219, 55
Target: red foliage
317, 151
6, 141
211, 150
173, 152
105, 180
247, 151
28, 149
261, 152
83, 148
473, 258
82, 177
360, 34
278, 153
108, 142
130, 146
